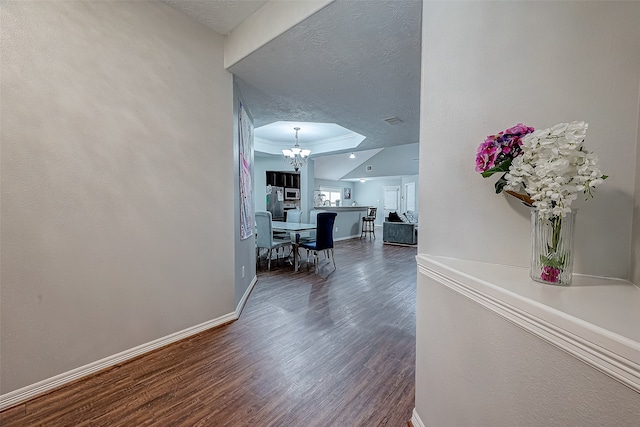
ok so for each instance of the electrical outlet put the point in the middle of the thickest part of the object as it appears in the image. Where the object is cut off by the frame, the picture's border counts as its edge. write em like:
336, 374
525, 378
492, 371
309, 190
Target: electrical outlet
243, 271
336, 229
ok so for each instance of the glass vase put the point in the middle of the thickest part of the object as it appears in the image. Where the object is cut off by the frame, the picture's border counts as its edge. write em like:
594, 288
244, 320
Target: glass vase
552, 248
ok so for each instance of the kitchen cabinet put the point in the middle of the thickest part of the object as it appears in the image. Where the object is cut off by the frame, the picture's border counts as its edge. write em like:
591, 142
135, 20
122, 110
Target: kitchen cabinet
283, 179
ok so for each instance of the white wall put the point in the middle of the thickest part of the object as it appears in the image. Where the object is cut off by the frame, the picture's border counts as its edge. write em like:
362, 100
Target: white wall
490, 65
475, 368
117, 166
407, 180
244, 250
307, 182
371, 193
635, 248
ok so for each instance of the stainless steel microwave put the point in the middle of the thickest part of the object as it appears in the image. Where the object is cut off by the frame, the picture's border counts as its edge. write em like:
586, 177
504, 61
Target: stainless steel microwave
292, 194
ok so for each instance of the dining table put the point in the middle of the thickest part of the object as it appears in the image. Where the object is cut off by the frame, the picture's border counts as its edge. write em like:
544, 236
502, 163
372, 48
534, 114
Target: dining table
294, 228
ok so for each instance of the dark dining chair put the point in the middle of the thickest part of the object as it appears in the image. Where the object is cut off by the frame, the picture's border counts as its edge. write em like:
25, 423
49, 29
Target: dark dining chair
324, 239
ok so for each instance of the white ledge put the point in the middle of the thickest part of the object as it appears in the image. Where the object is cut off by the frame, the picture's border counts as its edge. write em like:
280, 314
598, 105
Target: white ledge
596, 319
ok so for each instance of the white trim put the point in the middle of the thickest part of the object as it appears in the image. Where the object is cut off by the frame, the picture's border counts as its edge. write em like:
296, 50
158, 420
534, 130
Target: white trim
264, 25
607, 351
29, 392
409, 195
353, 236
245, 297
415, 419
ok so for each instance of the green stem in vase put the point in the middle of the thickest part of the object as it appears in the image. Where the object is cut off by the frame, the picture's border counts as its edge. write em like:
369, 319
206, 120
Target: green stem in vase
552, 261
556, 226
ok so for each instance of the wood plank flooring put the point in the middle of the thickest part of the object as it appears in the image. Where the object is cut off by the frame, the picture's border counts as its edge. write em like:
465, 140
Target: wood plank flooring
329, 349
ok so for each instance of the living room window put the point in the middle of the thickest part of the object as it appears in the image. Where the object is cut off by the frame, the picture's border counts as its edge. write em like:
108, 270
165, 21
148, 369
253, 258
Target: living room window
332, 194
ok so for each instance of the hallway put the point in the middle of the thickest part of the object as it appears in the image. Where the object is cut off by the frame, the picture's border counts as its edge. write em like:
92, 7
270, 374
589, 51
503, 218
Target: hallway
306, 351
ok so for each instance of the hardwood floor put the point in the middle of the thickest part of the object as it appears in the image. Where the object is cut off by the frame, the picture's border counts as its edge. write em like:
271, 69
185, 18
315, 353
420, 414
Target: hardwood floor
334, 349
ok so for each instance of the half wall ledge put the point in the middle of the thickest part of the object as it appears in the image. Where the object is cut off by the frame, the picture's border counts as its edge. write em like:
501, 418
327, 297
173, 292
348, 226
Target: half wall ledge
596, 319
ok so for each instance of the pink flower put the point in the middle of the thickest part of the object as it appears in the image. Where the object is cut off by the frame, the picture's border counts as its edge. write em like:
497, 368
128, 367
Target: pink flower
550, 274
501, 147
519, 129
487, 154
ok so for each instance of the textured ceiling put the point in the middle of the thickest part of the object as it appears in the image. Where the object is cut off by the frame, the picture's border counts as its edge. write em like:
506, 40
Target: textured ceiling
334, 166
219, 15
317, 137
353, 63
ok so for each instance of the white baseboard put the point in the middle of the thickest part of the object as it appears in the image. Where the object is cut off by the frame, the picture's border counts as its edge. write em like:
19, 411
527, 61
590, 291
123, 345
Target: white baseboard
415, 419
29, 392
245, 297
346, 238
355, 236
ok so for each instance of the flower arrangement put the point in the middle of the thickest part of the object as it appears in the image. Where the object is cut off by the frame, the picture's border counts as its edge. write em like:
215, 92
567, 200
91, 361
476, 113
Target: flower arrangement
497, 151
552, 167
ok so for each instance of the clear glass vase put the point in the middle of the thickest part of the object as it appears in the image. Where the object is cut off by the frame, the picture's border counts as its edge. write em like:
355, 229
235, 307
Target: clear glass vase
552, 248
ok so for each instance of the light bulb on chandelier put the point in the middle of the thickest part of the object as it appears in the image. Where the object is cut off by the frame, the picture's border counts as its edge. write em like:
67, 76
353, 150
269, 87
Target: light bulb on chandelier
296, 156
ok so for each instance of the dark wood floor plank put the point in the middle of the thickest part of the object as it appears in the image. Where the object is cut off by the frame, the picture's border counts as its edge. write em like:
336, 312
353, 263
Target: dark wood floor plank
329, 349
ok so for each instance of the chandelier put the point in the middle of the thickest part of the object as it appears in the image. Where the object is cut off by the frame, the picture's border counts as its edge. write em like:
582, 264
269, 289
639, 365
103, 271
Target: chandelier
296, 157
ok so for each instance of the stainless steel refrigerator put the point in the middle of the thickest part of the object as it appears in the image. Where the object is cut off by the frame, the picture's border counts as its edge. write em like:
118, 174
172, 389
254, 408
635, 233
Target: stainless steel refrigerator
275, 202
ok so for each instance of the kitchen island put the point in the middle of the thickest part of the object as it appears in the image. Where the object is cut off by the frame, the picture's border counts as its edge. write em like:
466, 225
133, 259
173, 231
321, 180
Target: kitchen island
348, 222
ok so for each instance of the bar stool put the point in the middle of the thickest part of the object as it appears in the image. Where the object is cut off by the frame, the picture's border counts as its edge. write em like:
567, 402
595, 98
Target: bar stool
368, 223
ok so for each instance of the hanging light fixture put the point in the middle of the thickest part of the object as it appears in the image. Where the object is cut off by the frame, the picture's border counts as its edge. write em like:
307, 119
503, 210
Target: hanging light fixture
352, 156
296, 157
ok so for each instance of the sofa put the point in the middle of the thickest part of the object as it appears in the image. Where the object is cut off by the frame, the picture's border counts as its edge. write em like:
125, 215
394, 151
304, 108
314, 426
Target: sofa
400, 229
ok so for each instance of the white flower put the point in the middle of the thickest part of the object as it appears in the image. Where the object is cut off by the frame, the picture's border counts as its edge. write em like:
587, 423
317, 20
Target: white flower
553, 167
